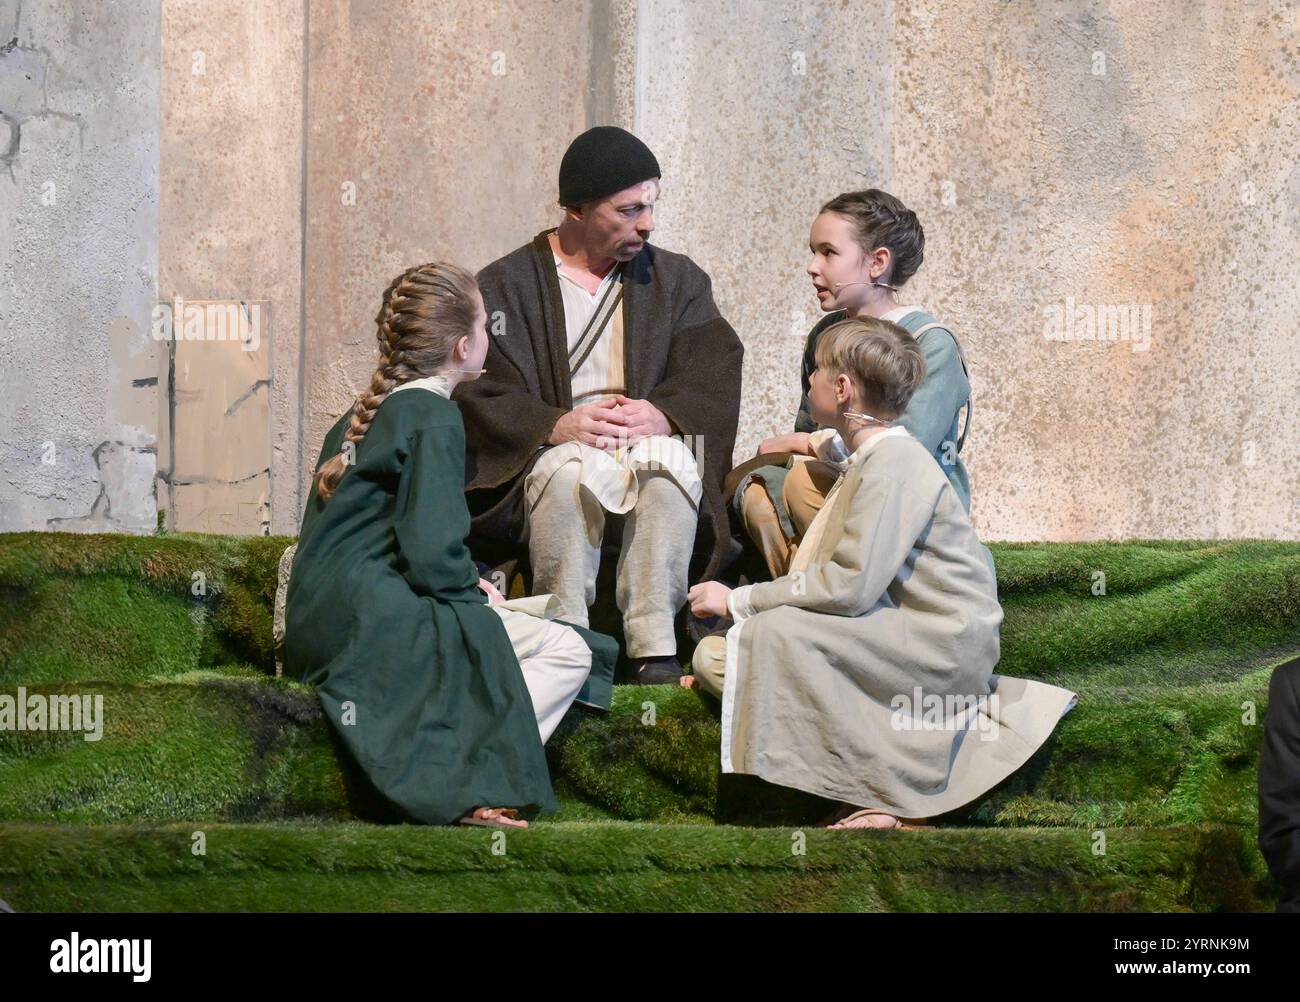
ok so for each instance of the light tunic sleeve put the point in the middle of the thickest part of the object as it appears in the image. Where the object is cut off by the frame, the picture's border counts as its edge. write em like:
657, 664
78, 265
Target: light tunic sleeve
884, 520
828, 445
738, 604
432, 520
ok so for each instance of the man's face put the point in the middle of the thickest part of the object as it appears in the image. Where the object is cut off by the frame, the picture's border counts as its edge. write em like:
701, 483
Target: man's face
619, 225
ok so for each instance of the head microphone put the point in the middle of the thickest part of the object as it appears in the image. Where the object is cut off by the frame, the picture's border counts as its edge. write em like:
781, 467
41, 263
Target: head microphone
846, 285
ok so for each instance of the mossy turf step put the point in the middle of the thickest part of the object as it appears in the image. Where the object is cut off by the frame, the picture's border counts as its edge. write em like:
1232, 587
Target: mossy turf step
130, 608
620, 866
126, 608
1169, 645
246, 748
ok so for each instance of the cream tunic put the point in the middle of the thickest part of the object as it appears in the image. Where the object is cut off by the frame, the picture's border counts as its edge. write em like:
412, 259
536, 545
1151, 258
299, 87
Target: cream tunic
601, 375
865, 675
609, 475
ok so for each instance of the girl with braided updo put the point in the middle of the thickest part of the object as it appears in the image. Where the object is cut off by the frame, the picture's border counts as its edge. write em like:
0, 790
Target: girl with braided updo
441, 691
864, 246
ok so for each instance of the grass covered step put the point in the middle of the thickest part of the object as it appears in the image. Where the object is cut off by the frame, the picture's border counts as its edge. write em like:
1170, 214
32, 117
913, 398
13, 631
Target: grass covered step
137, 608
1169, 645
618, 866
131, 608
239, 746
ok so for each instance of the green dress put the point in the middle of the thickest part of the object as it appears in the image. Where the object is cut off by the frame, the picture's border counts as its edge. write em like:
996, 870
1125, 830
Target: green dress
384, 616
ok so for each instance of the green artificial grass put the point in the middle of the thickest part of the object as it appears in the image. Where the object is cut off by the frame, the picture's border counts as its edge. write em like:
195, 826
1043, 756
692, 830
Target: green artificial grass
129, 608
123, 608
618, 866
1169, 612
235, 747
1171, 664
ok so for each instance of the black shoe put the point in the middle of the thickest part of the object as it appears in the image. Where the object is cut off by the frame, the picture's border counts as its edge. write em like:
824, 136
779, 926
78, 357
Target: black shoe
663, 670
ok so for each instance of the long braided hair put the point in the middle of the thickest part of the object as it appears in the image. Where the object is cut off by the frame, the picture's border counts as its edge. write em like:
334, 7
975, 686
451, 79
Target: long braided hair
425, 311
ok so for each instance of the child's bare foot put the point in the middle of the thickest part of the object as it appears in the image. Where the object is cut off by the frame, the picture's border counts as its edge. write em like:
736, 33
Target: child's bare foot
493, 817
874, 817
687, 682
867, 821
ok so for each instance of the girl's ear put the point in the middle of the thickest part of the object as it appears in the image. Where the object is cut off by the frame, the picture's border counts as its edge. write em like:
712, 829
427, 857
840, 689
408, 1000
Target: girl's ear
843, 389
882, 260
461, 350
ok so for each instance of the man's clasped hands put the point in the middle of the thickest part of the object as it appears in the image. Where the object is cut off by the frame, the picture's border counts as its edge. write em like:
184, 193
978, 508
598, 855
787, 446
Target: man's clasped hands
614, 423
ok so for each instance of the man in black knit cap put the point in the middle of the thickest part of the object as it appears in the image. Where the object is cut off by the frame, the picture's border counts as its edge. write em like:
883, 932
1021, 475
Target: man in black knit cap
612, 388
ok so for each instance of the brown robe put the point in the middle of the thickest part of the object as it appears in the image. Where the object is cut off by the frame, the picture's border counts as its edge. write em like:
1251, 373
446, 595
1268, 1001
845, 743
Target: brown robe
679, 354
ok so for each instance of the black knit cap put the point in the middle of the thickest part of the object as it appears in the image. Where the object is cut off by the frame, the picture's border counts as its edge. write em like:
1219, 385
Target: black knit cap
602, 161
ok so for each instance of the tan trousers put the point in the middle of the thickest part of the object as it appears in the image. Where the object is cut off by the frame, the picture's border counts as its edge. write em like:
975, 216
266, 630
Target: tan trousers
708, 665
803, 494
565, 530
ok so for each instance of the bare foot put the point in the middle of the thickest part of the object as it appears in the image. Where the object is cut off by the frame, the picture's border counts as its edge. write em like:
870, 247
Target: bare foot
687, 682
868, 821
494, 817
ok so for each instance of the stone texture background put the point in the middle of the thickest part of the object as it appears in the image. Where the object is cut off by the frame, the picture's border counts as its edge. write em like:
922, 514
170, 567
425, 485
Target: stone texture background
1093, 153
232, 158
79, 140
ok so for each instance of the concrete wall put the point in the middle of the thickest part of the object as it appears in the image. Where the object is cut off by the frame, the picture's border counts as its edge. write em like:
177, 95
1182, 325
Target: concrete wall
1080, 156
435, 131
79, 143
1109, 154
232, 230
1099, 154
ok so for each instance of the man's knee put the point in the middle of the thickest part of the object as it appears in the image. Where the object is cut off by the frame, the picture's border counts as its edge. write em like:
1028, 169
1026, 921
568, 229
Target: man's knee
559, 512
562, 483
662, 463
663, 506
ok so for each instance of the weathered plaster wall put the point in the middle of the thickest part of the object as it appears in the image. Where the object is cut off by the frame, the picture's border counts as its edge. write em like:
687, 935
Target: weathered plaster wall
232, 142
1061, 155
1114, 153
79, 147
434, 132
1102, 153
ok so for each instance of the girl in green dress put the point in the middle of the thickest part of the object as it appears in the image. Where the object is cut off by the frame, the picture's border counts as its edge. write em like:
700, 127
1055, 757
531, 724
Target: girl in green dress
442, 695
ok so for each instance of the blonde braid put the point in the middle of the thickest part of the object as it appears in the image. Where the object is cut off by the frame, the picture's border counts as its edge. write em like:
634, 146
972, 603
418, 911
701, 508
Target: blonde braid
424, 311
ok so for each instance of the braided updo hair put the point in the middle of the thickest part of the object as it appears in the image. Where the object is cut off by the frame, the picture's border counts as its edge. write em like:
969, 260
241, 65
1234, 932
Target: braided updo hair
881, 220
426, 310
